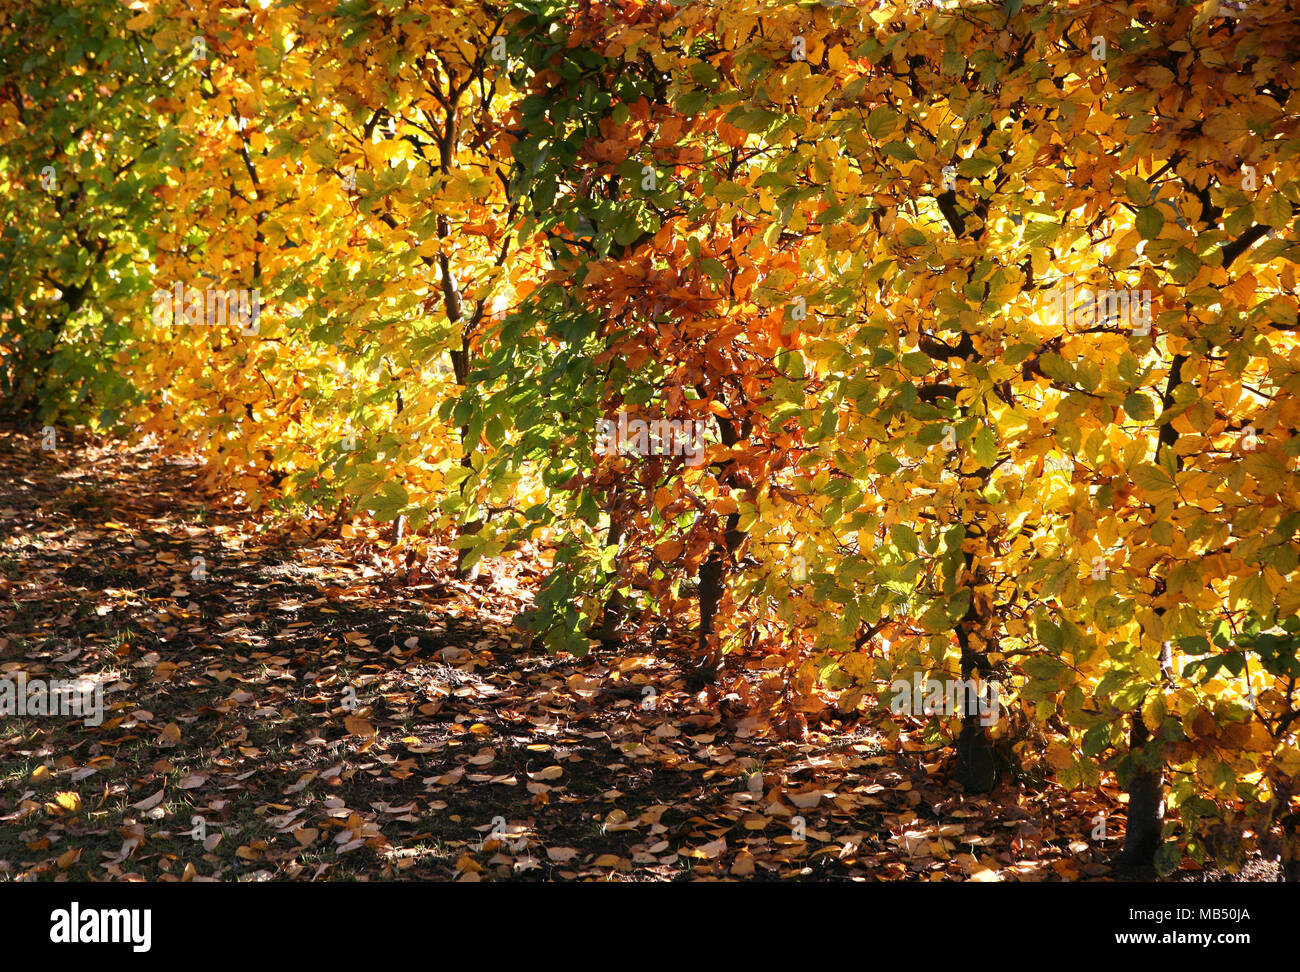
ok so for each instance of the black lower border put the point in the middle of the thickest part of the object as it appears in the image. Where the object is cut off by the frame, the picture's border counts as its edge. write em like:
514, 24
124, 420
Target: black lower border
792, 921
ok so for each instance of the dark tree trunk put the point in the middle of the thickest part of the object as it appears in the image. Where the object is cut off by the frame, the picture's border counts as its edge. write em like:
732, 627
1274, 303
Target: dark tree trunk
976, 767
460, 369
713, 571
1146, 788
712, 585
1145, 805
615, 611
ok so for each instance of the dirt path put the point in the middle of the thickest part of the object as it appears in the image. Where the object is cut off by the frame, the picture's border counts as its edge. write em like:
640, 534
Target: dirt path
294, 707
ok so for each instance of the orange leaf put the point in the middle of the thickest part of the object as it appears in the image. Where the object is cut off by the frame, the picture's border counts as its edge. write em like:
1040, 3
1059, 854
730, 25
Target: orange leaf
668, 550
358, 726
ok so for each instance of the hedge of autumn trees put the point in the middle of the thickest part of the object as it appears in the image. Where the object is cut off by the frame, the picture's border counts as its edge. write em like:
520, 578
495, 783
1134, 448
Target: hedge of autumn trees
989, 311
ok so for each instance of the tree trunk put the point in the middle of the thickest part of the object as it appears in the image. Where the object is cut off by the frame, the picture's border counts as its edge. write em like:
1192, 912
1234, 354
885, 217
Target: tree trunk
460, 368
976, 768
712, 575
1145, 805
614, 612
711, 584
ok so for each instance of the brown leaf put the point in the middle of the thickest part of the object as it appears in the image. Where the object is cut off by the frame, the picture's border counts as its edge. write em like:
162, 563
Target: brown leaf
358, 726
148, 803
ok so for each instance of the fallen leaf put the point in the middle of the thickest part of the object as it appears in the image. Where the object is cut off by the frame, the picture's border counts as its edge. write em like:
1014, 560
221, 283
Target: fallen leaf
358, 726
149, 802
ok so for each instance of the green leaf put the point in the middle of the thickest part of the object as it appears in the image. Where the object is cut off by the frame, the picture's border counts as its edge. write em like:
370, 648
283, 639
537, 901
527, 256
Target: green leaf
1254, 591
900, 150
1185, 265
390, 502
984, 447
959, 604
713, 269
1151, 478
1056, 367
904, 538
1139, 406
704, 72
880, 121
1168, 857
688, 104
917, 363
1224, 777
1149, 222
976, 166
1276, 211
1138, 191
1050, 635
730, 192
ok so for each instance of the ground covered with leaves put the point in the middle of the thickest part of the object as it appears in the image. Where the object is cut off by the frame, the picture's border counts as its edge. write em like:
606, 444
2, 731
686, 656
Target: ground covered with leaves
302, 700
